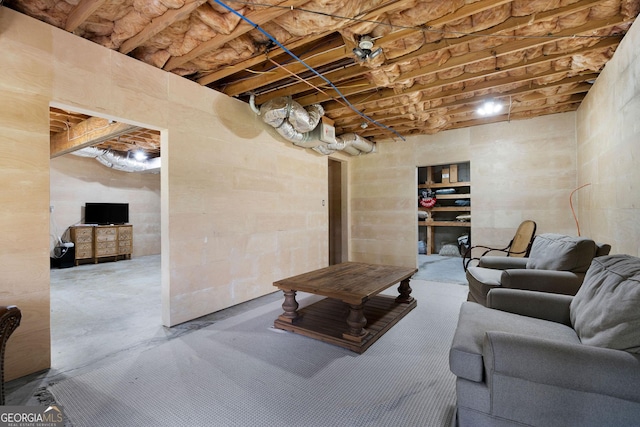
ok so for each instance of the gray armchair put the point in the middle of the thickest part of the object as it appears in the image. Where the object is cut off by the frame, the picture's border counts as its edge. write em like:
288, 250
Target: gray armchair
540, 359
556, 264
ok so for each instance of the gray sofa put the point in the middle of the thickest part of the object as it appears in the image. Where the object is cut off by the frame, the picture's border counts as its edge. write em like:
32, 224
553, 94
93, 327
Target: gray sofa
557, 263
539, 359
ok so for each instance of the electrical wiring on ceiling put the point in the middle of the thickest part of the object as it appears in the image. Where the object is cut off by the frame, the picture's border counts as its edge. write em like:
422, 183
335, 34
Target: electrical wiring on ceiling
312, 85
424, 28
354, 109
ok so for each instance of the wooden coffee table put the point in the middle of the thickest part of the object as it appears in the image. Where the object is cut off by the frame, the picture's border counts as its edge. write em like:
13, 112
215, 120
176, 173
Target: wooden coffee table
353, 315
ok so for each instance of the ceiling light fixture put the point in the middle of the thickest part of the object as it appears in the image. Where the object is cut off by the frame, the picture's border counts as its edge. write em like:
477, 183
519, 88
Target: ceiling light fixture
140, 155
364, 49
489, 108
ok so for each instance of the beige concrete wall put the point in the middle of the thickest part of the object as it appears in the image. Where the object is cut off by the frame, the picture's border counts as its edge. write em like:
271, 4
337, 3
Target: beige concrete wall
78, 180
240, 207
519, 170
608, 151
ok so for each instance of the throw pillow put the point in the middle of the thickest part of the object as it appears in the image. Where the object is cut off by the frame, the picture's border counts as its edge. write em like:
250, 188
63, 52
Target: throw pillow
606, 310
561, 253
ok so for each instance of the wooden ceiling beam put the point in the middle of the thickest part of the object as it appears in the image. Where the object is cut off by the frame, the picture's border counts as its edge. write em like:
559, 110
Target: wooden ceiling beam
259, 17
510, 24
334, 76
80, 13
318, 57
232, 69
474, 57
518, 115
509, 48
398, 123
245, 86
463, 12
465, 110
355, 120
255, 60
158, 24
573, 102
372, 98
92, 131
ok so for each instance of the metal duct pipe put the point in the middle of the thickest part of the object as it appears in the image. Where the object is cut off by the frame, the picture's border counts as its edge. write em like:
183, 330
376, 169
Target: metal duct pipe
118, 162
340, 145
290, 119
275, 111
358, 142
296, 124
353, 144
324, 149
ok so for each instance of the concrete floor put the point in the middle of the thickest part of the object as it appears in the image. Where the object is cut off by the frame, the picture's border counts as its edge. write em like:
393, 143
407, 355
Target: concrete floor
103, 312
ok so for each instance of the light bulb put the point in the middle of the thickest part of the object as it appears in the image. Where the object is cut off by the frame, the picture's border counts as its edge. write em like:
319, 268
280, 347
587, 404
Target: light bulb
140, 155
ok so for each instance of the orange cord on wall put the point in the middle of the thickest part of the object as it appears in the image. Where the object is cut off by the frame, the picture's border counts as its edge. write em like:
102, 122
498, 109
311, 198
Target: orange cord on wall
571, 205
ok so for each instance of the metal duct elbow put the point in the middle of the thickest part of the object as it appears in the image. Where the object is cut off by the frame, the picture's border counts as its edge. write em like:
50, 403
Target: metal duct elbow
300, 139
305, 120
275, 111
291, 120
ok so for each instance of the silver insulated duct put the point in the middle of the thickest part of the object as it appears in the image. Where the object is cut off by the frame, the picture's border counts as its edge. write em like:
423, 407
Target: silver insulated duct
297, 124
353, 144
118, 162
292, 121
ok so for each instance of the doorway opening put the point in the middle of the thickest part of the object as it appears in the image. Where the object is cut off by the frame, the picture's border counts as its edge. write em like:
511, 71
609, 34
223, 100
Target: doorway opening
337, 210
106, 296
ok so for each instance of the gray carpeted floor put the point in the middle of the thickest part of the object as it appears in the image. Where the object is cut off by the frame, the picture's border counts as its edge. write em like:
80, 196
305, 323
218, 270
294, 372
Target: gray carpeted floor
439, 268
243, 372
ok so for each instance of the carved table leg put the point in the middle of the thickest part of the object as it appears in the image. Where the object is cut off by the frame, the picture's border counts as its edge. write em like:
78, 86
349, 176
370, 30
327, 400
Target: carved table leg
356, 322
405, 292
290, 307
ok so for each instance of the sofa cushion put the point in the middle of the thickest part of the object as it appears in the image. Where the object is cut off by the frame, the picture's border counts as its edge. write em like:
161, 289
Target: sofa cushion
465, 355
559, 252
606, 310
481, 281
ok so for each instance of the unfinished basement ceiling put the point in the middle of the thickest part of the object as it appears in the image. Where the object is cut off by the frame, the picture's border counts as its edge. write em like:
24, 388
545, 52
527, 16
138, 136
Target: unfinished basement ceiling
439, 61
85, 130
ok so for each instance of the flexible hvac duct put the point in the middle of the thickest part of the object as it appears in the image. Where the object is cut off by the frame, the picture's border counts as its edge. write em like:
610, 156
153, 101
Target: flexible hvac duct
291, 120
353, 144
324, 149
118, 162
296, 124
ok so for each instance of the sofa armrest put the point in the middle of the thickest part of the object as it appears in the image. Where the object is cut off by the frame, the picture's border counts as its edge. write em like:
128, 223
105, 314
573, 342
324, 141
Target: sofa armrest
541, 305
557, 282
569, 366
502, 262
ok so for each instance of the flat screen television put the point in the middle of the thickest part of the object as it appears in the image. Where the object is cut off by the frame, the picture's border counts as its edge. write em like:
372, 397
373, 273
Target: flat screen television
106, 213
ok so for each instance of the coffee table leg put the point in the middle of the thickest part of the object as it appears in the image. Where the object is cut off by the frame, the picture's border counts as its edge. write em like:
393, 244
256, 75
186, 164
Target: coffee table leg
405, 292
290, 307
356, 322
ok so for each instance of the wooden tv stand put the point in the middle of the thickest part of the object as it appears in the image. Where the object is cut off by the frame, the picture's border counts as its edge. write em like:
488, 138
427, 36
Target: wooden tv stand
98, 242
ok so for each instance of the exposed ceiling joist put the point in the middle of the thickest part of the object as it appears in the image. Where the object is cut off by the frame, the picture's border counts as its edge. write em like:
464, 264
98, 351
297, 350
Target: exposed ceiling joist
81, 12
439, 58
90, 132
